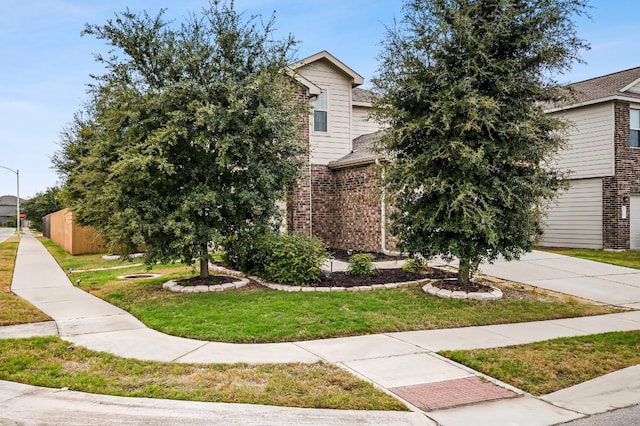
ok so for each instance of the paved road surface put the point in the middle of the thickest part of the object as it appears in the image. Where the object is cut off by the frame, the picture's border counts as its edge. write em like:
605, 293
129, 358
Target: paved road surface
6, 233
629, 416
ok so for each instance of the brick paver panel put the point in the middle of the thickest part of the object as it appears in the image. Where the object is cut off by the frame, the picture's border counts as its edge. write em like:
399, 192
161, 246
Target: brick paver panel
451, 393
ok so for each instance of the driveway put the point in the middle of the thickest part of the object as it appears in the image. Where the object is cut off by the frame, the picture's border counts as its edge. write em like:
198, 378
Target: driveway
601, 282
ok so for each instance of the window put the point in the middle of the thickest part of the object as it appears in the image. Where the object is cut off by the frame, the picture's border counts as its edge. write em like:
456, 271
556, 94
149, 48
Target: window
320, 113
634, 134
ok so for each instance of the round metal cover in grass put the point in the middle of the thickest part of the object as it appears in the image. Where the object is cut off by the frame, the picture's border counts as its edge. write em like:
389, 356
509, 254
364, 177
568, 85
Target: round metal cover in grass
139, 276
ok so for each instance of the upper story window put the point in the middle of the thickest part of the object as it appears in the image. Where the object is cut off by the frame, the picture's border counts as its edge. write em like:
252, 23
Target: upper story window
634, 134
320, 113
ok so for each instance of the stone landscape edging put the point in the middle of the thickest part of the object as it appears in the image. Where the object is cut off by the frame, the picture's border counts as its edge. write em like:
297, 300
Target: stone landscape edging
494, 294
294, 288
428, 288
178, 288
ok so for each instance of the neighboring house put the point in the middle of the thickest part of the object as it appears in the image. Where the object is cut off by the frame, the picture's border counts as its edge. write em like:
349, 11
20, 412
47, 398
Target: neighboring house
339, 200
601, 209
8, 208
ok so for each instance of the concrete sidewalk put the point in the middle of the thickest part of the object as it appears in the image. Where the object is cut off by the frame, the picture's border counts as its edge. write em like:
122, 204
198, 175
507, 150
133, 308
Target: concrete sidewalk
405, 364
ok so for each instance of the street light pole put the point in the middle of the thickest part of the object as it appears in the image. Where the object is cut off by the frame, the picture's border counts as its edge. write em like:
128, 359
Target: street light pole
17, 172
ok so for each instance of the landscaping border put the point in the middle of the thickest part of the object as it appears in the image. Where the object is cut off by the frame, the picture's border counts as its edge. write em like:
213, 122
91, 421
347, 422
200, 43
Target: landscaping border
494, 294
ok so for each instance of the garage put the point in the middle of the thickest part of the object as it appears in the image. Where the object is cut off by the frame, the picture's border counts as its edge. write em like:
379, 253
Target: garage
575, 218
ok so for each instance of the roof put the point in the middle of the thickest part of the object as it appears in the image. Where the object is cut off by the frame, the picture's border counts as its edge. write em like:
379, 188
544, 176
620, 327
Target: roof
9, 200
362, 97
362, 153
356, 79
619, 85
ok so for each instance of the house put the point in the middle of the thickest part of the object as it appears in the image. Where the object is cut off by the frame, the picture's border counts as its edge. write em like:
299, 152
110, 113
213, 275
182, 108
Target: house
601, 208
8, 208
339, 199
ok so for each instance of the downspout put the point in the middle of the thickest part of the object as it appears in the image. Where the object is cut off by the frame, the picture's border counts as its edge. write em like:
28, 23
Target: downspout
383, 219
310, 200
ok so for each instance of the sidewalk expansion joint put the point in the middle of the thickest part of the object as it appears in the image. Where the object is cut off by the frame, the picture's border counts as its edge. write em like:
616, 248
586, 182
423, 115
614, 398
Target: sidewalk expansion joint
190, 352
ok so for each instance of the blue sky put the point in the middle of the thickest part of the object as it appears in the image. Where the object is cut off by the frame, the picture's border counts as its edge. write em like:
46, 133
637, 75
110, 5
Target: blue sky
45, 64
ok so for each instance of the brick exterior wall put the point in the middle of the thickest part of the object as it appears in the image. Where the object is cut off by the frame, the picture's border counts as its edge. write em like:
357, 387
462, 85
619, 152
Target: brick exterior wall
346, 207
358, 208
616, 189
298, 214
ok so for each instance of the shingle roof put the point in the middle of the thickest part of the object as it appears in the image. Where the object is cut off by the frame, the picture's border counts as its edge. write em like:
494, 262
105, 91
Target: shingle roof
362, 152
603, 87
362, 95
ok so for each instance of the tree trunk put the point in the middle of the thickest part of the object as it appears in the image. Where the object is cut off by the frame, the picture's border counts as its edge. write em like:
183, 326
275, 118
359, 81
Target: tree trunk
464, 271
204, 263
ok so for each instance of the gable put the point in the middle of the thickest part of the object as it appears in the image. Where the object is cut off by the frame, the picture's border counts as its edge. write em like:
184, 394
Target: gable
338, 66
633, 87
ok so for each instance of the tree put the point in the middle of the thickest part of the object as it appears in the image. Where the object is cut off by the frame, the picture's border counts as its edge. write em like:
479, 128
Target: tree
463, 85
42, 204
191, 136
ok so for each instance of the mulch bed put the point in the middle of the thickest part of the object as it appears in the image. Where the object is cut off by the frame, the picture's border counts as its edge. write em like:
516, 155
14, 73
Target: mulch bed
210, 280
384, 276
377, 257
454, 285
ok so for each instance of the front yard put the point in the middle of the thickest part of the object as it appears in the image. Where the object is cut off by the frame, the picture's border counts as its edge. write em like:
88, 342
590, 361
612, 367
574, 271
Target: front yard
255, 314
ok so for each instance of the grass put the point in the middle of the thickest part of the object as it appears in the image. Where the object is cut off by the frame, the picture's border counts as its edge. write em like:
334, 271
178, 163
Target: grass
544, 367
85, 261
54, 363
13, 309
260, 315
628, 258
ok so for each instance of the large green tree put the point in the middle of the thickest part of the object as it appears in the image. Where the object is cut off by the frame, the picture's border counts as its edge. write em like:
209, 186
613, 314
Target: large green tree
191, 135
463, 87
42, 204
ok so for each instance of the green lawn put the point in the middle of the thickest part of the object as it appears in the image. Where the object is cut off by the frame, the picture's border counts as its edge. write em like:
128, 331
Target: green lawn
54, 363
628, 258
544, 367
85, 261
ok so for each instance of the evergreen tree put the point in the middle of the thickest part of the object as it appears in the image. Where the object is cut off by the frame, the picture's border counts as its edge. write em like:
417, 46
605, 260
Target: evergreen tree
191, 135
42, 204
463, 87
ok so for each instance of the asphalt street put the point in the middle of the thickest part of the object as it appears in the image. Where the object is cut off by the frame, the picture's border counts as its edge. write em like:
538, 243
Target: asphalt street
6, 233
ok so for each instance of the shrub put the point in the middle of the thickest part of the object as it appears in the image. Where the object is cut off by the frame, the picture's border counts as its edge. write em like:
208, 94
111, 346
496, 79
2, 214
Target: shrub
293, 258
281, 258
361, 265
413, 264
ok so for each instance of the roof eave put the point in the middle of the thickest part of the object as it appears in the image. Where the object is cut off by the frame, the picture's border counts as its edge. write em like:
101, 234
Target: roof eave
593, 102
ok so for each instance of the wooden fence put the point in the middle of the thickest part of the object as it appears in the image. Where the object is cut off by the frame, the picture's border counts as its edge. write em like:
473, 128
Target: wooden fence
61, 228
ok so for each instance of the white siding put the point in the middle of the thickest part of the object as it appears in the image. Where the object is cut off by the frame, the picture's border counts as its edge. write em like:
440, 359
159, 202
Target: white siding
591, 151
575, 218
360, 123
634, 222
336, 142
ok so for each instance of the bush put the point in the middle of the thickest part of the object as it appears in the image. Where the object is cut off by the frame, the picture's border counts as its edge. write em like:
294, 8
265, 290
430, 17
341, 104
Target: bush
293, 258
413, 264
361, 265
280, 258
